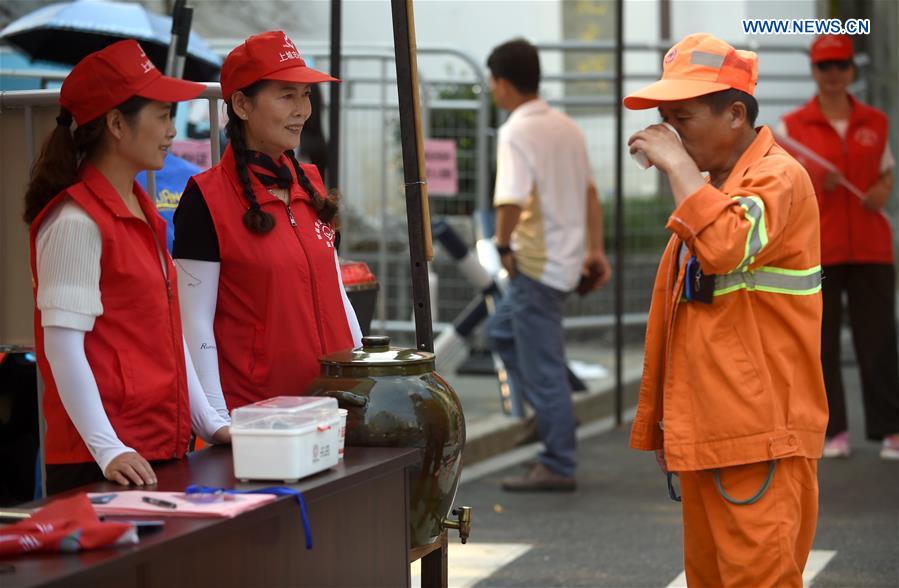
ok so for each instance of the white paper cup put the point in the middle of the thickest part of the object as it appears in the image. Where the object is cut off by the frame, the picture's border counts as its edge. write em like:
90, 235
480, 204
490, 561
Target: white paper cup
341, 437
641, 158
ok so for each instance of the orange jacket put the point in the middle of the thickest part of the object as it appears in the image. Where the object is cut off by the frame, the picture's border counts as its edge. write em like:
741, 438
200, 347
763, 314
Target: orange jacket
738, 380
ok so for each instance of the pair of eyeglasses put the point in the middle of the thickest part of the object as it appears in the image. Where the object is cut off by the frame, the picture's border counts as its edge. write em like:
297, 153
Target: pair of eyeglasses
841, 65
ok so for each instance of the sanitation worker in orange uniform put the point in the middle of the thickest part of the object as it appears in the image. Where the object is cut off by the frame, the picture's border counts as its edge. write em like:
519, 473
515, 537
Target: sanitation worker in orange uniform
732, 399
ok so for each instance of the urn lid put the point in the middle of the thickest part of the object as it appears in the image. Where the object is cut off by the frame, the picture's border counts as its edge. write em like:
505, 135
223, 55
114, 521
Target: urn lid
376, 352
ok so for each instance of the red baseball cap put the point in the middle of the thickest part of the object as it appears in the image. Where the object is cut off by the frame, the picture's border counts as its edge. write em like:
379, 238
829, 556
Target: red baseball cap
267, 56
699, 64
832, 48
106, 78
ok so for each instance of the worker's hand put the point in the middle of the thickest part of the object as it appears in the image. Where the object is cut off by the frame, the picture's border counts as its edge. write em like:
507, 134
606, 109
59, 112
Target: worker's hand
877, 196
662, 147
597, 264
831, 181
508, 261
130, 468
222, 436
660, 459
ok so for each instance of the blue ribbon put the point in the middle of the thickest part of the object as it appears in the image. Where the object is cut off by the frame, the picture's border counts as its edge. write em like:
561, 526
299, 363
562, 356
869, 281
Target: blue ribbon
276, 490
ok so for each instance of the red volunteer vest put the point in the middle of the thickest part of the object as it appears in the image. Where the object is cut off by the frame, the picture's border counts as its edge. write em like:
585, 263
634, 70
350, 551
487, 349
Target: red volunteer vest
279, 303
850, 233
135, 350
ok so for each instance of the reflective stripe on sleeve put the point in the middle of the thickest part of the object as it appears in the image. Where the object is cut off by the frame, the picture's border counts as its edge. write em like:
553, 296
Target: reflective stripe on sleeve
757, 237
771, 279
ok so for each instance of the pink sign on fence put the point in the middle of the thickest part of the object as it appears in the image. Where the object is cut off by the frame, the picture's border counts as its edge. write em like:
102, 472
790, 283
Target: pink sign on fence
196, 151
440, 165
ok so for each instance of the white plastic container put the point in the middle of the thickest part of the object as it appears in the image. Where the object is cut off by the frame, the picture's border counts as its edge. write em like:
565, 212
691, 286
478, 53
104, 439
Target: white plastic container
285, 438
342, 432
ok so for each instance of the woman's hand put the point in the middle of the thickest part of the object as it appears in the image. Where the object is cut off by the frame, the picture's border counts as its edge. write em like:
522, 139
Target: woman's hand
130, 468
222, 436
877, 196
831, 180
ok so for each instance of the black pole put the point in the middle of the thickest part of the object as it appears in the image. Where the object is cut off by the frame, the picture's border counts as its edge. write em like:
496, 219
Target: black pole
406, 81
333, 172
619, 212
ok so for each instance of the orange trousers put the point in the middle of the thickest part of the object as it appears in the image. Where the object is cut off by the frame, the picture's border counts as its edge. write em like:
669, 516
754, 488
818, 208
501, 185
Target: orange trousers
750, 546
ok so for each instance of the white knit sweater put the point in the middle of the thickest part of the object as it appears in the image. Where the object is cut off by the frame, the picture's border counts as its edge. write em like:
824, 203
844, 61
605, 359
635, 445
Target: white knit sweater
69, 247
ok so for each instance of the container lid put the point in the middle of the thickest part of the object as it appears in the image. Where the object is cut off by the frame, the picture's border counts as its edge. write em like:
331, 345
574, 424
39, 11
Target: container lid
284, 409
355, 273
377, 352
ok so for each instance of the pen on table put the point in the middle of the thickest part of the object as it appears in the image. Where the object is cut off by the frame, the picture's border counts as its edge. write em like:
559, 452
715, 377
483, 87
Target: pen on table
158, 502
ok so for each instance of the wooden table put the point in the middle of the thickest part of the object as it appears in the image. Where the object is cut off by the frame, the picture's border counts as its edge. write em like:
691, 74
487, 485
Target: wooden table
358, 512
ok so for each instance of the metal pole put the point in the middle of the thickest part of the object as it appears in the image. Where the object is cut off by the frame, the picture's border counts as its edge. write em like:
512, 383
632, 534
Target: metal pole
619, 212
214, 130
41, 423
334, 95
176, 27
187, 15
151, 184
382, 239
413, 170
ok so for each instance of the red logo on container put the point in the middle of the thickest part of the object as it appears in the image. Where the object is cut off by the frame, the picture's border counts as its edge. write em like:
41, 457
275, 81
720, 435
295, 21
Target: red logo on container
671, 55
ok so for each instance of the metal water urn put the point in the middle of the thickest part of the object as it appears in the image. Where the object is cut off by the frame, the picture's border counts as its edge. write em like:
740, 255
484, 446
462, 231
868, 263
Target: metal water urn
394, 398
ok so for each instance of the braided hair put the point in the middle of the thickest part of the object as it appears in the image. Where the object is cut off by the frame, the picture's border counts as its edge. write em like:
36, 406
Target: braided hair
326, 207
256, 219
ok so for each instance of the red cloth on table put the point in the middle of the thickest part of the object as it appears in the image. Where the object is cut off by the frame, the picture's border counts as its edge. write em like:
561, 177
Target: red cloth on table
65, 525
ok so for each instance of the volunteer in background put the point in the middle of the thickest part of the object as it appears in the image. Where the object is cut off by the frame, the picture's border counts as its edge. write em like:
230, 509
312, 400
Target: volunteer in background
856, 242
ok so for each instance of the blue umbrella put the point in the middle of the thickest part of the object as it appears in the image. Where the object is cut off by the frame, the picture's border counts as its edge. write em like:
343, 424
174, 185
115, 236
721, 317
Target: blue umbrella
170, 183
68, 31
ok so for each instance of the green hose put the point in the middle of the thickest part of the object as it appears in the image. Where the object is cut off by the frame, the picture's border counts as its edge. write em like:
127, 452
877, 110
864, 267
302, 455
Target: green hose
752, 499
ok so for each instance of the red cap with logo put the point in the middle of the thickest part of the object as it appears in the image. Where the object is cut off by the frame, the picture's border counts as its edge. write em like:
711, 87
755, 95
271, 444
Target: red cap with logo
832, 48
267, 56
107, 78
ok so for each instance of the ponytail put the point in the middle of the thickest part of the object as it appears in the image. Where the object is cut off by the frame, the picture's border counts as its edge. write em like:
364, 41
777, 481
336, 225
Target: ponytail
255, 219
57, 167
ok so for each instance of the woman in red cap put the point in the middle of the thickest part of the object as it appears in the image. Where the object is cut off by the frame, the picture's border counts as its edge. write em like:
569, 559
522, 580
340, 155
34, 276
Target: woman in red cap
254, 239
843, 145
119, 389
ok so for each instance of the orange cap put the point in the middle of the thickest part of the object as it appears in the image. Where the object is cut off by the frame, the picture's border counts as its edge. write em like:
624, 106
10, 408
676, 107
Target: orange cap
700, 64
832, 48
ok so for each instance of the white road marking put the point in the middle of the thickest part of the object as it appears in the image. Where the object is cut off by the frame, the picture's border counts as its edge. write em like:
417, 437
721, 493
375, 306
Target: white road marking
817, 560
469, 564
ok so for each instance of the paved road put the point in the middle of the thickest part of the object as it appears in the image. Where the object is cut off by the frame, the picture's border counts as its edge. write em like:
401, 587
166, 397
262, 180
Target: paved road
619, 529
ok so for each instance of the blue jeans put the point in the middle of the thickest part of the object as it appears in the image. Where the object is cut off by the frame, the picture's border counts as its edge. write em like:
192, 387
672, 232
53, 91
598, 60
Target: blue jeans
526, 331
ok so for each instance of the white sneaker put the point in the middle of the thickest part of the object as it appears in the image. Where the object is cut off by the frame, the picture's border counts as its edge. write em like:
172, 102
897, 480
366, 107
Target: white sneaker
838, 445
890, 447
